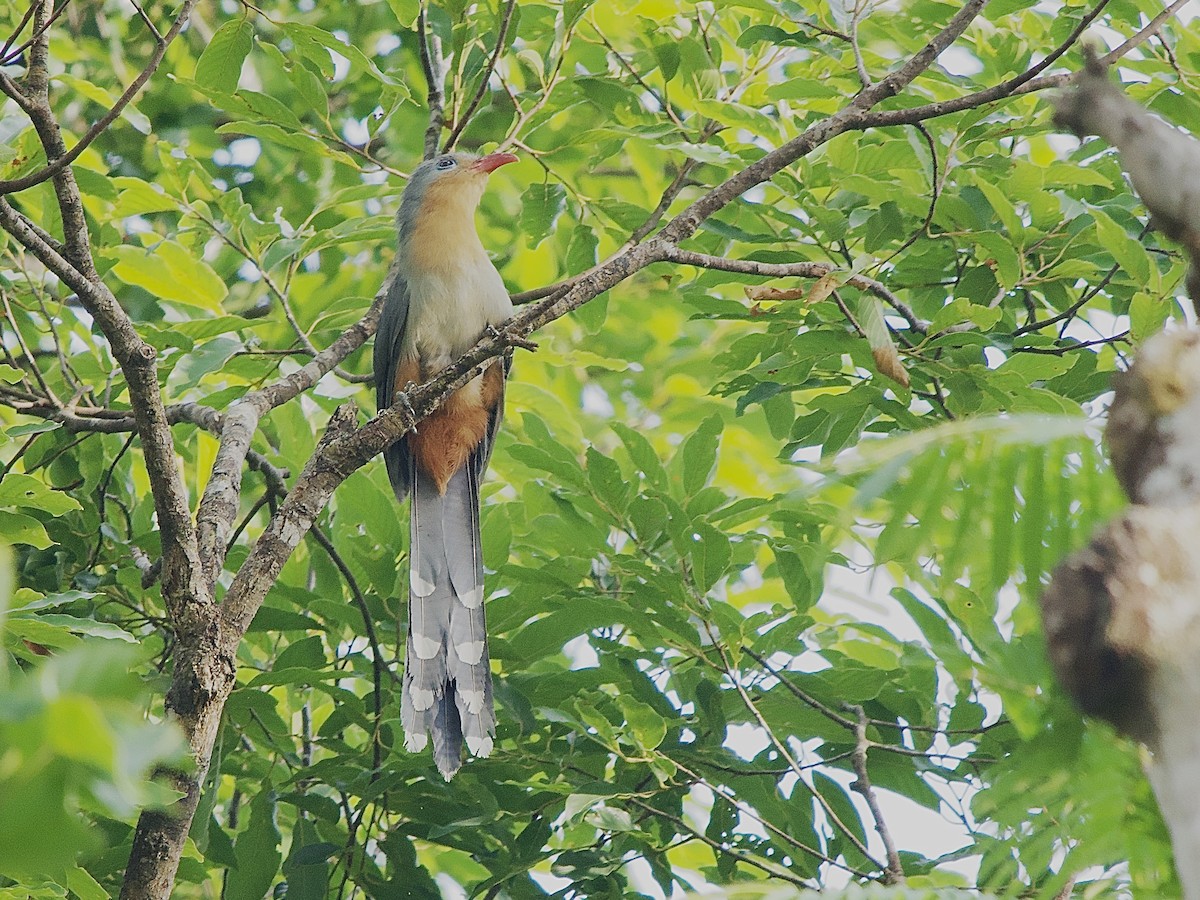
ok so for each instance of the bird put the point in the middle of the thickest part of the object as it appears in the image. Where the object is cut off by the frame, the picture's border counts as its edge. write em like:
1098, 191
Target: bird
445, 296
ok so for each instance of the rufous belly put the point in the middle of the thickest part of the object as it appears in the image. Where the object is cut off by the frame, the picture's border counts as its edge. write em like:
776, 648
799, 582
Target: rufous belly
445, 440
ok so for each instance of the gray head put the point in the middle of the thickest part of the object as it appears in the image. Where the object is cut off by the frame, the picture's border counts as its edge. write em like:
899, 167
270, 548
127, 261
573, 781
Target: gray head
449, 184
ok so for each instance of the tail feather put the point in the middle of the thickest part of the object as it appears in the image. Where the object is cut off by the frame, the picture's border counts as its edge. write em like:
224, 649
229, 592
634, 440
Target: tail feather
447, 692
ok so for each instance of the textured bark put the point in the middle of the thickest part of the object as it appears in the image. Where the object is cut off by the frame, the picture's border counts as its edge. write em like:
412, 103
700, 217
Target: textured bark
1161, 161
1122, 616
194, 553
201, 682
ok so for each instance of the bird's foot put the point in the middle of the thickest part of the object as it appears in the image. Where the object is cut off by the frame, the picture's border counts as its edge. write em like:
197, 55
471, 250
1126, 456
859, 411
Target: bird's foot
401, 400
512, 340
523, 342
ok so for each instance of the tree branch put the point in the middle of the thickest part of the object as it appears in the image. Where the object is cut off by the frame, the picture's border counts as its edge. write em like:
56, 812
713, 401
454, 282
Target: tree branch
894, 873
430, 50
501, 42
850, 117
796, 270
60, 162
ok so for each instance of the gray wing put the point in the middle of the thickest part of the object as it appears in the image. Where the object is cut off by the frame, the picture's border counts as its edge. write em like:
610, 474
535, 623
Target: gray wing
388, 340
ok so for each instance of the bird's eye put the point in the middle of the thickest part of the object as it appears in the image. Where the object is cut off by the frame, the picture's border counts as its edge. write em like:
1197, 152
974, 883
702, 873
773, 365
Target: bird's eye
446, 162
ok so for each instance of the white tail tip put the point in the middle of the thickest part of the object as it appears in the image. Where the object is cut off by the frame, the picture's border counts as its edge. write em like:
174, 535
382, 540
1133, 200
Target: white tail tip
425, 648
480, 746
421, 699
470, 652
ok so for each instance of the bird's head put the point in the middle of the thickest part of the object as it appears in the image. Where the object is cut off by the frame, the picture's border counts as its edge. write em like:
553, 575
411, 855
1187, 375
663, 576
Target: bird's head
449, 185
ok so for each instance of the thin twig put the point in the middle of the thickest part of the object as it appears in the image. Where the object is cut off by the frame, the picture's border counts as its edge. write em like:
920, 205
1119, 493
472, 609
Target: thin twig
734, 678
855, 17
17, 31
753, 814
464, 119
771, 868
1082, 345
58, 164
430, 50
894, 873
33, 366
816, 704
8, 58
794, 270
377, 665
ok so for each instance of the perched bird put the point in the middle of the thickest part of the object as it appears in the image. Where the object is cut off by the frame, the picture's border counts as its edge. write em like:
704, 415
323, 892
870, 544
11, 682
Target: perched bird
446, 295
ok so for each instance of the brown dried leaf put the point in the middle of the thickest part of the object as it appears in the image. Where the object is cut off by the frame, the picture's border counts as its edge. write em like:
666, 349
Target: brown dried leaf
824, 286
758, 292
887, 360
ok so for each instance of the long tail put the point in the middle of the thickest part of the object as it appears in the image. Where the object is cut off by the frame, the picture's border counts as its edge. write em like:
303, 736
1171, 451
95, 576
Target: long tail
447, 674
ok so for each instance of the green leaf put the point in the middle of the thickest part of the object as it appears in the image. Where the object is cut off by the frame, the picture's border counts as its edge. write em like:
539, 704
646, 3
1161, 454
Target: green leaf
642, 454
27, 492
405, 11
20, 529
607, 480
170, 271
1147, 315
648, 727
699, 454
137, 197
220, 65
84, 886
1129, 253
667, 54
257, 850
76, 625
541, 205
1003, 204
106, 99
18, 431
